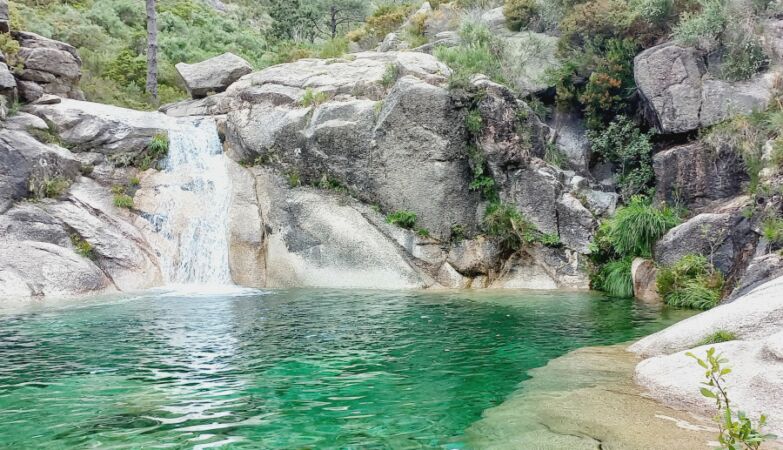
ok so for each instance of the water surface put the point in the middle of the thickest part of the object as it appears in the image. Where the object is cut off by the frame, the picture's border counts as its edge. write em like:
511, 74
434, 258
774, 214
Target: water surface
287, 369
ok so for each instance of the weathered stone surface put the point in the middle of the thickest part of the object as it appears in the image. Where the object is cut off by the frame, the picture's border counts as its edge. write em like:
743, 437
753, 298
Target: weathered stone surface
474, 257
576, 224
52, 65
22, 121
4, 26
682, 96
535, 192
644, 275
113, 131
448, 277
246, 230
7, 81
572, 140
719, 237
761, 269
525, 273
26, 163
694, 174
392, 42
756, 381
213, 75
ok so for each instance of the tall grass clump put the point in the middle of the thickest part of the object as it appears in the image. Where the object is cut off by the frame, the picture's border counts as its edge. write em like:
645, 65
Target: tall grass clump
692, 282
636, 227
615, 278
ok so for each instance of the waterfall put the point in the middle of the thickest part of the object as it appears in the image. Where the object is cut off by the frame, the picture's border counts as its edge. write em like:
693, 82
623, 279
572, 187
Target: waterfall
194, 203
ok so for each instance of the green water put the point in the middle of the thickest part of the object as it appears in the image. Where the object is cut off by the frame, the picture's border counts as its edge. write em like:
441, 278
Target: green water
287, 369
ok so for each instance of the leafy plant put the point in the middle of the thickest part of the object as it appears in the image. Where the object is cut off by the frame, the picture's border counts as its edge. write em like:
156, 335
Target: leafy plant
635, 228
702, 29
123, 201
772, 229
737, 431
457, 233
692, 282
512, 230
402, 218
293, 179
312, 98
423, 232
482, 181
153, 153
83, 247
624, 145
474, 122
391, 75
555, 157
53, 187
480, 51
718, 337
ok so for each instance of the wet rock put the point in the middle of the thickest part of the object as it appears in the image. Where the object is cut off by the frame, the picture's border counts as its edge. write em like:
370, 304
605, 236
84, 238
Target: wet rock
213, 75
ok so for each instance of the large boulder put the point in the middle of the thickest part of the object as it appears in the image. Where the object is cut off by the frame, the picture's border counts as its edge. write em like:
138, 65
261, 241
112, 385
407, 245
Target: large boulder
723, 238
474, 257
756, 381
683, 97
213, 75
7, 83
575, 223
694, 174
53, 66
644, 275
26, 165
118, 133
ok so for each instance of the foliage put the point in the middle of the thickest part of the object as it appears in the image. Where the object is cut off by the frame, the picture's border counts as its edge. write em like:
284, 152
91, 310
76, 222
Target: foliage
745, 136
512, 230
9, 47
474, 122
611, 83
630, 150
423, 232
772, 229
311, 19
479, 52
49, 135
744, 57
402, 218
333, 48
123, 200
82, 247
482, 181
703, 28
555, 157
387, 18
313, 98
520, 13
457, 233
718, 337
156, 150
294, 179
596, 21
390, 75
735, 433
692, 282
636, 227
615, 279
50, 187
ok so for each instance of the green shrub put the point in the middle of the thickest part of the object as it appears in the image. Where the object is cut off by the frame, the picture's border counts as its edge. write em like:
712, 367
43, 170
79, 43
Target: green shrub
474, 122
520, 13
312, 98
555, 157
745, 136
404, 219
479, 52
52, 187
122, 200
390, 75
718, 337
772, 229
293, 179
82, 247
49, 135
744, 57
596, 21
387, 18
512, 230
457, 233
734, 434
635, 228
482, 181
333, 48
423, 232
610, 84
155, 151
690, 283
630, 150
703, 28
615, 279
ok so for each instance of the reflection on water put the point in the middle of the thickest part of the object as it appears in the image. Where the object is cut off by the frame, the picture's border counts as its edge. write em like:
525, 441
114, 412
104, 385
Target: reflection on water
287, 369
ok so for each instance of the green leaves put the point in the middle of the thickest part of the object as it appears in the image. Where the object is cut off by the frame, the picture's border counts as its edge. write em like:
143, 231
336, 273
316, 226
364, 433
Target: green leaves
708, 393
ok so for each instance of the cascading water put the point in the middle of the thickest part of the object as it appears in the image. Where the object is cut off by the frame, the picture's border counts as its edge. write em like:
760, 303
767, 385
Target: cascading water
194, 205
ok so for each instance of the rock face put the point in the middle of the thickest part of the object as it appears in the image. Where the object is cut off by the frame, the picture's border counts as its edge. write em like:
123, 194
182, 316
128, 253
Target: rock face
644, 275
722, 238
213, 75
694, 174
756, 380
49, 67
681, 95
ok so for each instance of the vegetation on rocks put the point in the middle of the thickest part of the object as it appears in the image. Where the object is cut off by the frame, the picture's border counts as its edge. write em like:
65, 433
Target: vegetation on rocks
718, 337
691, 283
630, 151
480, 51
512, 230
82, 247
403, 219
736, 430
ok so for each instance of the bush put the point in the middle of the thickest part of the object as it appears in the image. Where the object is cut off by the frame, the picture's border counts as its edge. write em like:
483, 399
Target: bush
615, 278
744, 57
479, 52
155, 151
312, 98
690, 283
82, 247
745, 136
122, 200
390, 75
635, 228
403, 218
630, 150
772, 229
718, 337
512, 230
596, 21
473, 122
51, 187
702, 29
387, 18
520, 13
607, 90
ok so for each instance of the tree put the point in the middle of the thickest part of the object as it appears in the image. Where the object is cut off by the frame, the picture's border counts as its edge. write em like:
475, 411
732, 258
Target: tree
152, 50
308, 20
